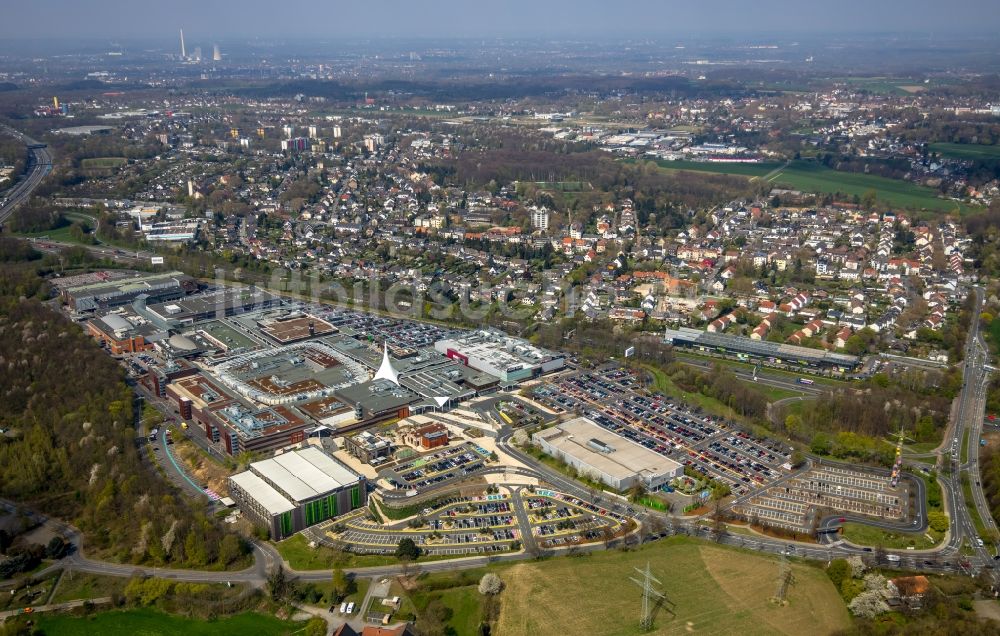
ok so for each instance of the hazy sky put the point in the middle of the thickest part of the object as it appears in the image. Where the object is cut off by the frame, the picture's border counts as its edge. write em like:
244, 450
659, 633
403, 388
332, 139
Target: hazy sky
156, 19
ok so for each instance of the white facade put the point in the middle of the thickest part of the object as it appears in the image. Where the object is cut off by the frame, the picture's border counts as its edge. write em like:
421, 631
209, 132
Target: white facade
540, 219
602, 455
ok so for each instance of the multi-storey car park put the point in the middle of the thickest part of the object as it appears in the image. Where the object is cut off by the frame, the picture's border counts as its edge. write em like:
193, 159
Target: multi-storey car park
297, 489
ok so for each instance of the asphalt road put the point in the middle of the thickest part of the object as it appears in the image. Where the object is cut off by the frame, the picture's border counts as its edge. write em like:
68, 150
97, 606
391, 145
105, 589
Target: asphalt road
969, 417
39, 165
765, 377
945, 558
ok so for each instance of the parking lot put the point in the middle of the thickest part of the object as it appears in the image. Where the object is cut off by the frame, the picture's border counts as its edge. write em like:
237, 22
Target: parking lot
795, 503
486, 523
561, 520
402, 333
616, 400
455, 462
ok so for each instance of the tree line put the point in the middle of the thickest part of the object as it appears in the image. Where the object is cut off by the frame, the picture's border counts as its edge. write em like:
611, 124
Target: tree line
73, 451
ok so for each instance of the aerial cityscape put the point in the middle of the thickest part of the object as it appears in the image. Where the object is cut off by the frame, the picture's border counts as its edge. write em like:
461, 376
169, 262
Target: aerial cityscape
452, 319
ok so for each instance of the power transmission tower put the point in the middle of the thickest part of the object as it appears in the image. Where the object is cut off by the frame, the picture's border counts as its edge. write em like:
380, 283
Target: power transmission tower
785, 578
652, 598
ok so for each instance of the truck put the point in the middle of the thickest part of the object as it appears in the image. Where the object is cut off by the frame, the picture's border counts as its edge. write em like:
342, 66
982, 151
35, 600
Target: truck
169, 439
806, 381
153, 433
892, 558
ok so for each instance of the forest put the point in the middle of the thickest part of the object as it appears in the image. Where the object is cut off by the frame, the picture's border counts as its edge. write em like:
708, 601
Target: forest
468, 89
658, 195
36, 216
984, 229
12, 153
72, 450
990, 464
849, 423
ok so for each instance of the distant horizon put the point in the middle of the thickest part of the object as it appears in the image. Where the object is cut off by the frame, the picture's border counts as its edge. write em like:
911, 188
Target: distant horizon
515, 19
634, 38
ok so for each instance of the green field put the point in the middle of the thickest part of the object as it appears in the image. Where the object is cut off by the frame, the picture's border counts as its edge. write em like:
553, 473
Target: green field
812, 177
714, 590
860, 534
742, 169
993, 334
665, 385
918, 447
77, 585
61, 235
300, 556
967, 151
103, 162
146, 622
463, 601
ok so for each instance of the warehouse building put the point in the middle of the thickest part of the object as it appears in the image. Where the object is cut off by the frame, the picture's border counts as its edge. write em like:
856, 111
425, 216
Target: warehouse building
297, 489
600, 454
494, 352
760, 350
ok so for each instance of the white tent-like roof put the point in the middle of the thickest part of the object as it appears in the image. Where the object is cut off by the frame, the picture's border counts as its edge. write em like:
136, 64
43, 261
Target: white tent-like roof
387, 371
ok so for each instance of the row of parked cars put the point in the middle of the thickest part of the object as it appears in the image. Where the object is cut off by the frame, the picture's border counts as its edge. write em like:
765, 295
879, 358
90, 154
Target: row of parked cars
710, 445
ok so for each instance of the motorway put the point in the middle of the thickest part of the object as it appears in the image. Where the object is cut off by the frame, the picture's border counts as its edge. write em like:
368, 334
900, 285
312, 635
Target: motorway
39, 165
969, 419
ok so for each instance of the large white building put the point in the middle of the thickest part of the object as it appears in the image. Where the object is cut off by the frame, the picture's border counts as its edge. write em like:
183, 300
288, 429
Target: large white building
297, 489
494, 352
600, 454
540, 218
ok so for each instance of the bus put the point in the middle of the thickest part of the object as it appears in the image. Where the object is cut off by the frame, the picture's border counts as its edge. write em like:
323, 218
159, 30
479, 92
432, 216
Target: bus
806, 381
